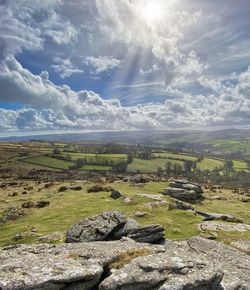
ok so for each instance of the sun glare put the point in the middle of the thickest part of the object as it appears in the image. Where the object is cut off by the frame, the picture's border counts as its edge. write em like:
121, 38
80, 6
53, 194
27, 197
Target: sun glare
152, 12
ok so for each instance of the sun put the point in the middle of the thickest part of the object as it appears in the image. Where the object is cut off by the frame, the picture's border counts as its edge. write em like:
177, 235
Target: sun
152, 12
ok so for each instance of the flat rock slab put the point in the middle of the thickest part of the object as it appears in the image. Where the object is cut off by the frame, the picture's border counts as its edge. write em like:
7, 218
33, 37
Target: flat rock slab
243, 246
59, 266
220, 226
165, 271
151, 196
195, 264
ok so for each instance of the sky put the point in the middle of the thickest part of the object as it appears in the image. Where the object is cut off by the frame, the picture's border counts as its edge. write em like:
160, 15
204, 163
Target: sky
124, 64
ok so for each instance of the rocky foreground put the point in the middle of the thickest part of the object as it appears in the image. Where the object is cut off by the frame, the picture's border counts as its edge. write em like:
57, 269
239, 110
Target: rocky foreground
197, 264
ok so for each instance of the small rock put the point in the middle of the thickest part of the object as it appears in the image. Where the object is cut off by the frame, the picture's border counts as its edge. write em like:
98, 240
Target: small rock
151, 205
99, 188
52, 238
62, 188
18, 237
127, 200
76, 188
28, 204
115, 194
12, 214
177, 204
13, 194
140, 214
42, 203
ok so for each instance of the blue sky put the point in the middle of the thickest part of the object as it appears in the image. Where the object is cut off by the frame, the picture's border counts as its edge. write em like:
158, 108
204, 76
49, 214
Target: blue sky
124, 64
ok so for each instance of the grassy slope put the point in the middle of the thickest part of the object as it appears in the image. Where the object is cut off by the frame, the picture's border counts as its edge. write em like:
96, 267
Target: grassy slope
208, 163
148, 166
69, 207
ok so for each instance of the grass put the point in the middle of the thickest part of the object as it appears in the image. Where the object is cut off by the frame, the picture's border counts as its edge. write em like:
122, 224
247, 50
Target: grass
210, 164
69, 207
49, 162
240, 165
149, 166
96, 168
174, 156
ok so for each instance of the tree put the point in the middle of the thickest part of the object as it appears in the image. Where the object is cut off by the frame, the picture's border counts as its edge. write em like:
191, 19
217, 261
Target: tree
188, 165
120, 167
130, 157
168, 167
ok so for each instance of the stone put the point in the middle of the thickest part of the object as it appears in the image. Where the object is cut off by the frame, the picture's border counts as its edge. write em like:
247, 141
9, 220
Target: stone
52, 238
234, 264
127, 200
98, 228
209, 216
155, 197
65, 266
165, 271
155, 204
113, 225
140, 214
177, 204
243, 246
220, 226
245, 199
197, 264
153, 234
13, 194
182, 194
42, 203
13, 214
185, 191
99, 188
130, 225
28, 204
62, 188
115, 194
76, 188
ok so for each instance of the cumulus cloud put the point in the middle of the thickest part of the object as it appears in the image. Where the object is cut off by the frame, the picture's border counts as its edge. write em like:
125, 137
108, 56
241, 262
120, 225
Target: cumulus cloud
48, 106
65, 68
102, 63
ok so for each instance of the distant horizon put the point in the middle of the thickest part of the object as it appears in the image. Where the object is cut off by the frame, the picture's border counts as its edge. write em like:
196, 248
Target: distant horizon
79, 132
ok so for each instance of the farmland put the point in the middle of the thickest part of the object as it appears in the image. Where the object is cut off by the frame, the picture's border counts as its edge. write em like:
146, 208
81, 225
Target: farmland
65, 158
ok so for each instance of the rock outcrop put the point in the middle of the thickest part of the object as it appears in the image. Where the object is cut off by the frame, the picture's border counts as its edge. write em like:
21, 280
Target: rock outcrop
185, 191
113, 225
220, 226
196, 264
210, 216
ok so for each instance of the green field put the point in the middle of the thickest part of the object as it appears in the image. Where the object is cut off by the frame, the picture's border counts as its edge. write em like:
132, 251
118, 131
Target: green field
115, 157
241, 145
239, 165
174, 156
48, 162
149, 166
210, 164
96, 168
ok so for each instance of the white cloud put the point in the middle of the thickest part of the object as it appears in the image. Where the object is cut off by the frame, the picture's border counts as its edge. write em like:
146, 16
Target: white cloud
65, 68
59, 107
102, 63
16, 35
